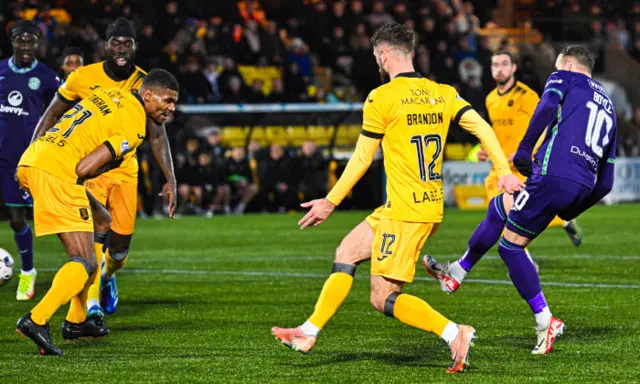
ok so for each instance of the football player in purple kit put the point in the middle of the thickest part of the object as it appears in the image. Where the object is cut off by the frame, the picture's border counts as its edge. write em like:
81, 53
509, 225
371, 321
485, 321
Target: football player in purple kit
26, 88
572, 171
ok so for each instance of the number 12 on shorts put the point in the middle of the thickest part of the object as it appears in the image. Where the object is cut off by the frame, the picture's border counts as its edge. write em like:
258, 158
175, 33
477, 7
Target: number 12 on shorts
385, 249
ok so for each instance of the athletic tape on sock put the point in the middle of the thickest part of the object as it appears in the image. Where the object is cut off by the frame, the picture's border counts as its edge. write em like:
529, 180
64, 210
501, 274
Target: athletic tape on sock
344, 268
84, 263
390, 303
100, 237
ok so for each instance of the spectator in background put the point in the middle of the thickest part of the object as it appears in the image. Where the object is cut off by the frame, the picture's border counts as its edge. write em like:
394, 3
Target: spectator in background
276, 180
72, 58
149, 49
379, 16
338, 17
277, 94
295, 84
212, 75
256, 96
300, 56
211, 185
187, 164
214, 146
237, 93
239, 180
195, 86
229, 71
312, 172
170, 20
356, 15
253, 44
272, 47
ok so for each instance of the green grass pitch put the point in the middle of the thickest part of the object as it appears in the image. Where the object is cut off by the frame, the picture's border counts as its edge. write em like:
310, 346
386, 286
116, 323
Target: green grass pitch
199, 296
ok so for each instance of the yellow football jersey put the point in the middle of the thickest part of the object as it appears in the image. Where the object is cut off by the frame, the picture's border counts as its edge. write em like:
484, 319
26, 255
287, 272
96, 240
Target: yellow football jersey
412, 116
114, 117
510, 114
84, 81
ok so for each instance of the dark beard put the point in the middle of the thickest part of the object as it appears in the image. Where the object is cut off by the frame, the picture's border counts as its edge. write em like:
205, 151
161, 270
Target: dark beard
384, 76
121, 72
501, 83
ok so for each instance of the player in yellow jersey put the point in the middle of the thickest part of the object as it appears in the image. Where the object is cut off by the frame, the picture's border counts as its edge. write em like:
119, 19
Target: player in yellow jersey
117, 190
410, 116
91, 138
511, 105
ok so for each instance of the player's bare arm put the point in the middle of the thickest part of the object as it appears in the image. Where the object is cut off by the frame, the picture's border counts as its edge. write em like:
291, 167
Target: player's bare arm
472, 122
162, 152
91, 164
366, 148
51, 116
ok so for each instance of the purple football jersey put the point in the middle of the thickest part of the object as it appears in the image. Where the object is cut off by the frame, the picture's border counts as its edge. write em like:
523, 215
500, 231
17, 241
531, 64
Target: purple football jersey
583, 133
24, 95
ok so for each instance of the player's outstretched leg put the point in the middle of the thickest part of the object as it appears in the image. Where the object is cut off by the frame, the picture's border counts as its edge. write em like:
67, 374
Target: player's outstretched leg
485, 236
116, 257
413, 311
77, 325
23, 237
527, 281
101, 225
355, 248
574, 231
67, 283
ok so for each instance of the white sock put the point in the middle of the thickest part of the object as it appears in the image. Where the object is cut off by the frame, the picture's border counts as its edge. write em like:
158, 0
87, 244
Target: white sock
457, 272
543, 319
240, 208
32, 271
91, 303
450, 332
309, 329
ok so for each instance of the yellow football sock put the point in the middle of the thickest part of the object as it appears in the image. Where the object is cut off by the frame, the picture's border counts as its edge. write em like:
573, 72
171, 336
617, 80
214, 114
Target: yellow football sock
415, 312
67, 283
94, 291
78, 307
556, 222
334, 291
113, 265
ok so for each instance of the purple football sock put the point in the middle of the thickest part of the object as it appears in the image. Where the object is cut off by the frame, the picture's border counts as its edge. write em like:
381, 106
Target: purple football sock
523, 274
486, 234
24, 241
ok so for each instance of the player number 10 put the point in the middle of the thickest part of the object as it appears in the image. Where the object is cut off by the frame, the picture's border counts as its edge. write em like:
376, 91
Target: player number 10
422, 142
597, 117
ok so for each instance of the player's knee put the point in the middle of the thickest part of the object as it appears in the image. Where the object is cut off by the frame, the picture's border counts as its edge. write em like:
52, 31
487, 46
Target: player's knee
18, 225
88, 262
101, 221
183, 190
118, 256
346, 254
383, 301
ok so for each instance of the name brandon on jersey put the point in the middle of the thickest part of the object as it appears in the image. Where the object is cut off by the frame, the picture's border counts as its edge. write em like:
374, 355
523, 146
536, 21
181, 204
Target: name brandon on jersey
424, 118
101, 104
432, 196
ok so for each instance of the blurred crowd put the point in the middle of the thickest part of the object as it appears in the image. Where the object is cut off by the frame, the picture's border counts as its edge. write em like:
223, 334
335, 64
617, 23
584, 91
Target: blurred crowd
321, 52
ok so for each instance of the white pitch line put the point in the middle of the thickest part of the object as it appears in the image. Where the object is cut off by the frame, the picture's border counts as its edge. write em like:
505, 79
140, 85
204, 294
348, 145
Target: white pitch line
320, 275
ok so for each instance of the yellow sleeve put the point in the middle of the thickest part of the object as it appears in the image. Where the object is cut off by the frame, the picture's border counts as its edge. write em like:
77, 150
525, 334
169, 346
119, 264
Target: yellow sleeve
539, 143
529, 103
69, 90
366, 148
373, 122
471, 121
118, 145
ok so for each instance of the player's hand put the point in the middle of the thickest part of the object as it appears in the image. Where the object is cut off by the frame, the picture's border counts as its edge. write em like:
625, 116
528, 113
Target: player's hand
482, 155
510, 184
169, 191
320, 210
